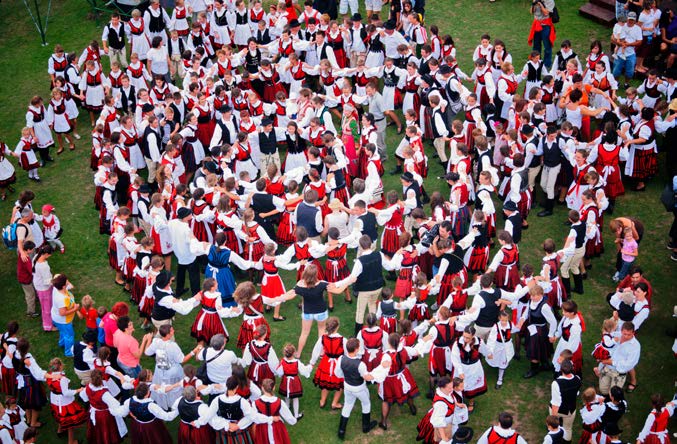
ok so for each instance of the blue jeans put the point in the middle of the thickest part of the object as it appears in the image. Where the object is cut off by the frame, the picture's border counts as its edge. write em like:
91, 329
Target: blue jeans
66, 337
543, 38
625, 269
620, 10
132, 372
627, 66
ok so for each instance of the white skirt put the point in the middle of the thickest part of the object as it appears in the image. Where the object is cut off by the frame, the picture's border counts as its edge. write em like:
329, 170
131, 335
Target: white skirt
6, 169
551, 113
247, 165
72, 109
43, 134
502, 355
221, 35
138, 83
473, 376
94, 96
374, 59
295, 160
140, 46
242, 34
61, 123
136, 157
389, 98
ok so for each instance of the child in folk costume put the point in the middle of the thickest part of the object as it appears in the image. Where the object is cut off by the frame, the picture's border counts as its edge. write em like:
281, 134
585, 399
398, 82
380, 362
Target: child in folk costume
591, 414
450, 266
67, 412
254, 236
25, 151
116, 252
203, 217
287, 226
438, 423
473, 119
460, 213
271, 283
140, 271
102, 364
192, 151
391, 219
252, 305
8, 342
405, 261
655, 430
483, 200
260, 356
439, 341
569, 331
51, 227
271, 406
102, 427
604, 348
399, 385
500, 344
328, 349
590, 214
290, 371
58, 119
93, 86
130, 246
550, 272
336, 266
30, 393
14, 419
477, 257
387, 310
420, 312
372, 342
147, 301
208, 321
504, 263
160, 229
39, 128
465, 356
580, 168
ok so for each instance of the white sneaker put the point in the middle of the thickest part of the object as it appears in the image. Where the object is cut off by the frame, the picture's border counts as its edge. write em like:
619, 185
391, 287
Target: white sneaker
616, 277
77, 136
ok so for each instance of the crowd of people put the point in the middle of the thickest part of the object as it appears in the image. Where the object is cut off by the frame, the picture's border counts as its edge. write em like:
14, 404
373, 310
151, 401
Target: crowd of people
238, 142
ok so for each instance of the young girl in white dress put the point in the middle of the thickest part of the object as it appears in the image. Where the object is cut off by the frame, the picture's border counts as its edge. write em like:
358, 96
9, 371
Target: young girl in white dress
501, 346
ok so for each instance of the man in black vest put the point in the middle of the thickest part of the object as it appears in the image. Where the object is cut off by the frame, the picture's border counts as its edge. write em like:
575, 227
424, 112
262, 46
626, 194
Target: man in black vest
552, 163
439, 128
309, 216
484, 309
354, 373
513, 221
564, 394
364, 222
367, 275
268, 146
226, 128
412, 198
151, 144
113, 39
166, 304
574, 250
157, 19
267, 208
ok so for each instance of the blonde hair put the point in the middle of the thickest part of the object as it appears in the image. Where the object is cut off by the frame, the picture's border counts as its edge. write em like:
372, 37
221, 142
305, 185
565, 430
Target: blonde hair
87, 301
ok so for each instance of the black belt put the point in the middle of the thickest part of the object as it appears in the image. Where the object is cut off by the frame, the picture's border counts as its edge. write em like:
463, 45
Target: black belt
378, 120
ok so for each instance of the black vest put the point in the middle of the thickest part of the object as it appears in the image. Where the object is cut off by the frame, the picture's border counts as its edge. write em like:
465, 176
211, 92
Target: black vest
535, 316
388, 309
161, 313
369, 226
189, 411
252, 61
305, 217
536, 160
157, 24
552, 156
557, 437
141, 255
263, 38
267, 143
390, 79
579, 228
150, 132
371, 277
225, 132
568, 389
351, 371
128, 101
436, 133
417, 191
220, 20
115, 40
263, 203
171, 49
140, 411
78, 352
516, 221
488, 315
230, 410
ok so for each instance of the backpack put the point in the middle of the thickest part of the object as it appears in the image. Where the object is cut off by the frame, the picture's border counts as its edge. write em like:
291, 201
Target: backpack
9, 236
554, 15
202, 370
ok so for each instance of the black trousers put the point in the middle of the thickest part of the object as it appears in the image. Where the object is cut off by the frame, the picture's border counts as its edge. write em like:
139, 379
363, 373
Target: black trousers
193, 270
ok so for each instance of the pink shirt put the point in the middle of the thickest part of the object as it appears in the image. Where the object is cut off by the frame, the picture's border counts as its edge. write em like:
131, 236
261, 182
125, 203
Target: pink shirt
110, 326
126, 345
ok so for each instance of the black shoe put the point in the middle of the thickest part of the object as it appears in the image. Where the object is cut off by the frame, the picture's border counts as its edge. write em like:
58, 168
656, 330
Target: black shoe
383, 426
280, 319
544, 213
498, 386
673, 256
566, 283
180, 293
358, 328
396, 170
626, 85
50, 159
584, 276
413, 409
342, 428
670, 245
578, 284
367, 424
300, 417
517, 357
531, 373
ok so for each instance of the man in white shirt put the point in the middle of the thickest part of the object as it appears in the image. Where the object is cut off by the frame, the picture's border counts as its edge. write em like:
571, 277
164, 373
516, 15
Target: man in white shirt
219, 361
630, 38
502, 432
624, 358
166, 304
186, 249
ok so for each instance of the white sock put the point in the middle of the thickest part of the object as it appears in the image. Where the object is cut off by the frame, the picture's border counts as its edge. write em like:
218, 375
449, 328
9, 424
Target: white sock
295, 403
501, 371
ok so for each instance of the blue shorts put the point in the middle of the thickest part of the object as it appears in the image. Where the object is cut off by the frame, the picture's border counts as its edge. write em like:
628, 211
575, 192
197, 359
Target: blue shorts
316, 316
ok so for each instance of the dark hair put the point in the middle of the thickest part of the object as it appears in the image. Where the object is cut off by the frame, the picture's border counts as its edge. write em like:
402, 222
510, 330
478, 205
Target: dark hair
567, 367
123, 323
59, 281
505, 420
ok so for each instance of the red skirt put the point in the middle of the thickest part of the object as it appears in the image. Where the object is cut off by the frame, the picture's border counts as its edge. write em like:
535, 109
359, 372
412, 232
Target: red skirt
577, 360
426, 431
200, 232
491, 225
105, 431
446, 286
8, 382
507, 278
25, 164
437, 363
524, 205
419, 313
600, 352
390, 241
211, 325
557, 293
130, 264
479, 257
113, 255
205, 131
342, 194
336, 270
589, 429
269, 92
362, 161
154, 432
425, 262
645, 164
291, 387
279, 433
320, 270
253, 251
388, 325
138, 288
146, 307
272, 286
285, 230
98, 202
232, 241
404, 284
69, 416
195, 435
392, 390
341, 60
246, 334
614, 185
372, 358
257, 372
93, 161
594, 247
325, 375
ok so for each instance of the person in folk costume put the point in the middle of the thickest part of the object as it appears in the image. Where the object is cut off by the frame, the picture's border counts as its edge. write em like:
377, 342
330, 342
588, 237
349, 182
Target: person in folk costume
232, 416
194, 418
581, 167
162, 245
465, 357
569, 331
534, 72
603, 80
109, 204
25, 151
306, 251
208, 321
506, 88
473, 120
138, 75
591, 414
203, 219
549, 272
591, 215
219, 258
252, 305
58, 119
350, 136
504, 264
329, 347
271, 406
287, 226
337, 177
460, 213
8, 342
483, 201
420, 313
192, 150
437, 424
518, 190
387, 308
573, 252
105, 423
655, 429
641, 163
336, 266
137, 32
260, 357
148, 297
451, 265
243, 152
271, 283
405, 261
97, 147
147, 425
439, 342
541, 325
130, 247
477, 257
39, 129
206, 122
608, 152
500, 345
372, 342
289, 370
485, 88
502, 432
354, 375
254, 236
367, 135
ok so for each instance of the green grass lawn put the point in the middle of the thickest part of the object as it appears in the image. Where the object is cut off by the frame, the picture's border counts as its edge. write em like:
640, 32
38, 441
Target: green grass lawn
67, 184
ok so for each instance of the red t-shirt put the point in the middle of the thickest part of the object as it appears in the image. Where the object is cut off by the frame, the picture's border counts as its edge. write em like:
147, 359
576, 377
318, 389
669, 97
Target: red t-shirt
24, 271
90, 317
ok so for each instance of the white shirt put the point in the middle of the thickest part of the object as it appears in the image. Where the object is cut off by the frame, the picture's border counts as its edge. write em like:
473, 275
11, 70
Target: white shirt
221, 367
186, 246
625, 356
505, 433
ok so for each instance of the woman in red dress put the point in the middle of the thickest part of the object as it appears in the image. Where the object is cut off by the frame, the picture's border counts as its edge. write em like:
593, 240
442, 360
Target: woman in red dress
252, 305
285, 230
68, 414
103, 427
504, 265
271, 406
336, 266
329, 348
399, 385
